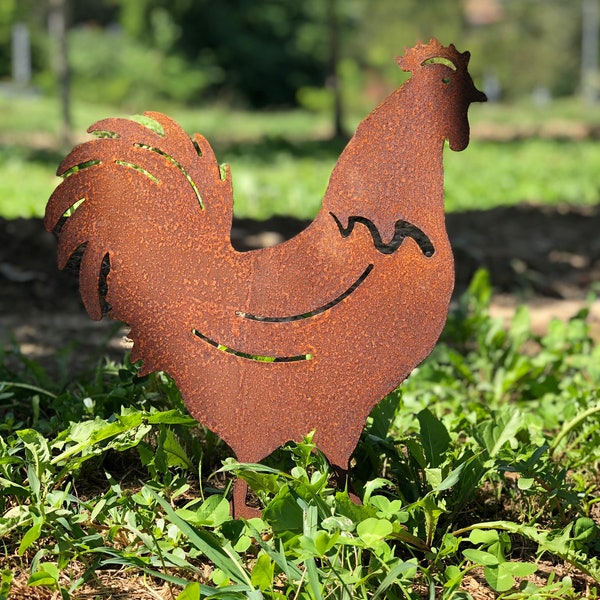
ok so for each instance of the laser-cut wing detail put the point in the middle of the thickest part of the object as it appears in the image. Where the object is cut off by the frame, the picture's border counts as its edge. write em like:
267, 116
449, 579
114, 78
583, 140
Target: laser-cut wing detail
121, 179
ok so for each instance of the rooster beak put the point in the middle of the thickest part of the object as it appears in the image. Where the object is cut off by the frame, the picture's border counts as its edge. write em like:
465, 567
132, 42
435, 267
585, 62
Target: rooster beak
479, 96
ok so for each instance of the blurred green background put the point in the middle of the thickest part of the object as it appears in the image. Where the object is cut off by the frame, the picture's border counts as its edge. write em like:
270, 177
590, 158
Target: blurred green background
277, 86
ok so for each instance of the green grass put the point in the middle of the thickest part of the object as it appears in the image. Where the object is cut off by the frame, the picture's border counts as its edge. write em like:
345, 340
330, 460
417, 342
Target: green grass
485, 462
489, 174
280, 165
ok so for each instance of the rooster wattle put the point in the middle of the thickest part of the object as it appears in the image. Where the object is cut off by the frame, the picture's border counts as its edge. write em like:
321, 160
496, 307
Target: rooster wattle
270, 344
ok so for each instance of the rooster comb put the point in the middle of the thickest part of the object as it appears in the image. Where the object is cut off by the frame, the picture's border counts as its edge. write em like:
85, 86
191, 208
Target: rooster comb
424, 53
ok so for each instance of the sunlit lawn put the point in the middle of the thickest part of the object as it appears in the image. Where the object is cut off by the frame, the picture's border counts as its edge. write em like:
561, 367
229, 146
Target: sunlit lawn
280, 165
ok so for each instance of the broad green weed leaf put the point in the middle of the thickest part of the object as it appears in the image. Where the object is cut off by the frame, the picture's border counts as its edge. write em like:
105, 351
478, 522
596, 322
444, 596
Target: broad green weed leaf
6, 577
31, 535
519, 569
42, 578
499, 579
214, 511
174, 454
263, 572
496, 432
355, 512
433, 477
449, 546
98, 508
35, 485
433, 511
373, 485
453, 576
219, 578
415, 448
191, 592
452, 479
480, 557
47, 575
37, 456
389, 509
170, 417
585, 530
324, 541
371, 530
338, 523
525, 483
480, 288
483, 536
434, 437
283, 512
520, 326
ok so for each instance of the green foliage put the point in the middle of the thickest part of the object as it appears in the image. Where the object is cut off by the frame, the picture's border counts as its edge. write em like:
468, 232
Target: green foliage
541, 171
280, 53
494, 440
111, 68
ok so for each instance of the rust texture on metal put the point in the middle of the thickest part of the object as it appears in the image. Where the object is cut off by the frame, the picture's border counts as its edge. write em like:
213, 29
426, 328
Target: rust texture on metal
270, 344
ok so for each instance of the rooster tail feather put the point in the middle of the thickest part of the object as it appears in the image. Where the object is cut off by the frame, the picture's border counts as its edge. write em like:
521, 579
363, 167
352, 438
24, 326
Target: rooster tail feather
89, 287
67, 194
76, 234
85, 155
69, 242
135, 172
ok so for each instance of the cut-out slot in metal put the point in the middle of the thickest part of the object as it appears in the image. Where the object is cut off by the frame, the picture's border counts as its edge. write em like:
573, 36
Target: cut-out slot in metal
312, 313
177, 164
255, 357
80, 167
402, 230
439, 60
135, 167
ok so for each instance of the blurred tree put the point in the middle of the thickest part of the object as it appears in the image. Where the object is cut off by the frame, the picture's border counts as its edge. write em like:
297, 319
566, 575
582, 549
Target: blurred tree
590, 15
266, 50
534, 47
278, 53
20, 11
259, 45
58, 25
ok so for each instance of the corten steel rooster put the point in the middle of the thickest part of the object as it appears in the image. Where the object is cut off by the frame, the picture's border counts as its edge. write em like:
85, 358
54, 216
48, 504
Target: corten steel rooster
271, 344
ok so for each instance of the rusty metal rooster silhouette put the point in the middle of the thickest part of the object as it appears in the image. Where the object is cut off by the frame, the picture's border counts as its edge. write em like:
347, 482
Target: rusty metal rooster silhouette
270, 344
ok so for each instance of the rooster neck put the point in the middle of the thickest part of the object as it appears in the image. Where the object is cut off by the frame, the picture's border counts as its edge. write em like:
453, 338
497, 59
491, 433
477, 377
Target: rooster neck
392, 167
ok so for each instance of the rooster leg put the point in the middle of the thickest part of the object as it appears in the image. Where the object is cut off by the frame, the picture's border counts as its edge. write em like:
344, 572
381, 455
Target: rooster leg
239, 508
343, 482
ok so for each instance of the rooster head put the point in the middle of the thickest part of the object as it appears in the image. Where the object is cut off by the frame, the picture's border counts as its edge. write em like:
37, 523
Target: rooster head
443, 68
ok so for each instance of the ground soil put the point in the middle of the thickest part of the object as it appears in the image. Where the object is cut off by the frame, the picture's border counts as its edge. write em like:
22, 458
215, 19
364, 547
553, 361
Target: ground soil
546, 256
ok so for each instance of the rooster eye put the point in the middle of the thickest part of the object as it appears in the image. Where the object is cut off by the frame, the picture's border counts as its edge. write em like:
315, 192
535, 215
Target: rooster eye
446, 80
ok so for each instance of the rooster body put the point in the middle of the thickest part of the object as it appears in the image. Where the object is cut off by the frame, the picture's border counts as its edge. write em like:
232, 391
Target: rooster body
271, 344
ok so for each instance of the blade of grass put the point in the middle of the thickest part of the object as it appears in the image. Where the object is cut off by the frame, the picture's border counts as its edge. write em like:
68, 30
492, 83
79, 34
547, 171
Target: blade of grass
220, 555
